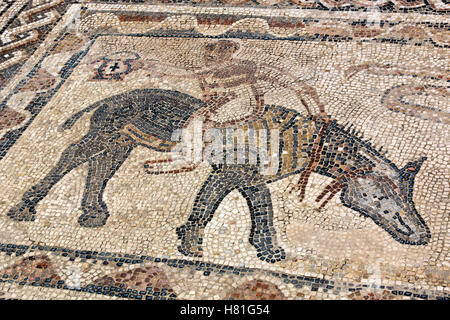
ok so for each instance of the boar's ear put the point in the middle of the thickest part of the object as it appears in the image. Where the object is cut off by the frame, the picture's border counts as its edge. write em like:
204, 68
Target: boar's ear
348, 197
408, 172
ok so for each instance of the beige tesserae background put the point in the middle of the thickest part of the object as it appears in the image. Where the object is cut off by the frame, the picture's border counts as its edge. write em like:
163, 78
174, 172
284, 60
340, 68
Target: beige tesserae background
146, 209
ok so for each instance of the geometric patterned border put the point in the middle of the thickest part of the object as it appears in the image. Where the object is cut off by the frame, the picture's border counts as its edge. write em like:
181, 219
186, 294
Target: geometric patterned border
310, 282
24, 24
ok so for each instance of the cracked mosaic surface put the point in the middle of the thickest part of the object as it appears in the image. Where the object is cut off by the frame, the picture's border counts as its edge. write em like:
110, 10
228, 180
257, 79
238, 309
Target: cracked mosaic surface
313, 135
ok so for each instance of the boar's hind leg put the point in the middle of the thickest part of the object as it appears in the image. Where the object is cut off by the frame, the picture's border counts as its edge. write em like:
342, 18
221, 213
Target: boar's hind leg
75, 155
102, 168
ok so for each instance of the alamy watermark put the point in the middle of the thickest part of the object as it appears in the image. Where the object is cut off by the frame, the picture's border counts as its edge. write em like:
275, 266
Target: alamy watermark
230, 146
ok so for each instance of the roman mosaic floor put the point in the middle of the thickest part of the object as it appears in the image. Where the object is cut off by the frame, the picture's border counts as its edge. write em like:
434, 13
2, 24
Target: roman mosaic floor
273, 149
